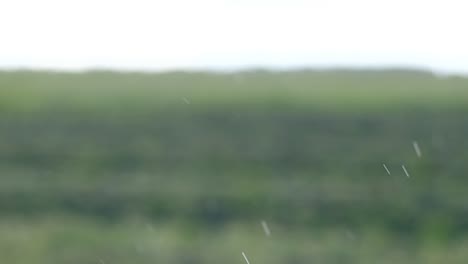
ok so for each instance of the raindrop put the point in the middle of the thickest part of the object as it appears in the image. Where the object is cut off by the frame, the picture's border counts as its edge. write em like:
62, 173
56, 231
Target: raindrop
266, 229
185, 100
417, 149
386, 169
245, 257
406, 171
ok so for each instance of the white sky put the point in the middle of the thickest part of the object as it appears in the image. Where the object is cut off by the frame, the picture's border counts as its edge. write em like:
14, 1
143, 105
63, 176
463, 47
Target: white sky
226, 34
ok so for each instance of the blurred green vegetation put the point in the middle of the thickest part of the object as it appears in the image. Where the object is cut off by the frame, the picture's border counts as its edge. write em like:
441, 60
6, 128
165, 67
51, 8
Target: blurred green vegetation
148, 92
182, 167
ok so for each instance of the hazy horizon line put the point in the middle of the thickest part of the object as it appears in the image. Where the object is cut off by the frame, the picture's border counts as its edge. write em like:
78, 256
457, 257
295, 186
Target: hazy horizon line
241, 69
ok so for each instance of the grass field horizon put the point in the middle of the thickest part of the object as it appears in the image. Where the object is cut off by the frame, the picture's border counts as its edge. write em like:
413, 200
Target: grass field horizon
345, 89
183, 167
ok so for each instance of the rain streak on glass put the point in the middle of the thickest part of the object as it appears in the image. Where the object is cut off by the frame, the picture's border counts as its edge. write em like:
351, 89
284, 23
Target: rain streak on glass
417, 149
386, 169
245, 257
266, 229
406, 171
185, 100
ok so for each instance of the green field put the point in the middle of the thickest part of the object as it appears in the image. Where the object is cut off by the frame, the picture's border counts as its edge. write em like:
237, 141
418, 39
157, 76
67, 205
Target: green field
309, 90
182, 167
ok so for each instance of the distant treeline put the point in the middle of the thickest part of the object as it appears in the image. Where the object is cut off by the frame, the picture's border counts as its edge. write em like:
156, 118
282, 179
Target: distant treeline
127, 92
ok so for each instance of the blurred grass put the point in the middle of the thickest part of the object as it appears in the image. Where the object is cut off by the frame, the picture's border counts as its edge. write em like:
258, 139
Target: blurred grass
136, 241
140, 242
332, 90
182, 167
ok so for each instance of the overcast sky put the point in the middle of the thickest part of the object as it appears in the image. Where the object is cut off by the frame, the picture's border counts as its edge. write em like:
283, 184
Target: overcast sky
226, 34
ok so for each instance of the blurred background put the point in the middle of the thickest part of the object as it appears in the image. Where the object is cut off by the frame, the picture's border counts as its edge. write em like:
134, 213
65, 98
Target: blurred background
233, 131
